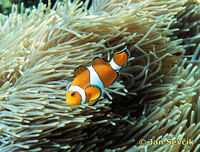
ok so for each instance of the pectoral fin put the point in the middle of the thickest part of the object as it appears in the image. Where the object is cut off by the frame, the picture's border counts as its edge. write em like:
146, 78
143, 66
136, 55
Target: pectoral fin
93, 92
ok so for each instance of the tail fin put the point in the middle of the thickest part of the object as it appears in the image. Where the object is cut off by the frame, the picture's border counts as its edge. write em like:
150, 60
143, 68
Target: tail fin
120, 58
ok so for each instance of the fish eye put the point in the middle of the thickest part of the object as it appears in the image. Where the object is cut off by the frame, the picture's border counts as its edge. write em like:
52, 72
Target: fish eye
73, 93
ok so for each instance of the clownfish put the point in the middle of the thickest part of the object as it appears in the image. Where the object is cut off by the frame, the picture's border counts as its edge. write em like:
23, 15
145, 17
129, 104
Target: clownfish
89, 82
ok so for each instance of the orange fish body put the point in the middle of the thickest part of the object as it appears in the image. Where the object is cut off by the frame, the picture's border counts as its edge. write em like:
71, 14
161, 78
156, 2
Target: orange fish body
90, 81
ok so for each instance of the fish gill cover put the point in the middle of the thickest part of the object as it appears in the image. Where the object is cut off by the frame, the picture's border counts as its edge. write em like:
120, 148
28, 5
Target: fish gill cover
155, 97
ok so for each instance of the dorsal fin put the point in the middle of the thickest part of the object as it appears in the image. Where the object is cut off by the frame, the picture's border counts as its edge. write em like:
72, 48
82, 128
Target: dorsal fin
79, 70
98, 61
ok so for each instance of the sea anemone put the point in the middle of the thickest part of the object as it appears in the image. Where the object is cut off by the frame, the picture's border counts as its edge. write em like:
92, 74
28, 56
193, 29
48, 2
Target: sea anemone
155, 97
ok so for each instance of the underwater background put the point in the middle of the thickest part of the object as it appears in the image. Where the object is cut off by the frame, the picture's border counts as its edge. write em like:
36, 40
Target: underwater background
156, 97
